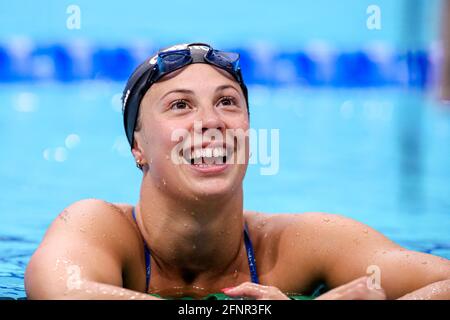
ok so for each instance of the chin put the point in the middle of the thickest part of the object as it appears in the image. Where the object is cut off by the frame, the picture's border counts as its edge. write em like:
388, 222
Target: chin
211, 185
213, 189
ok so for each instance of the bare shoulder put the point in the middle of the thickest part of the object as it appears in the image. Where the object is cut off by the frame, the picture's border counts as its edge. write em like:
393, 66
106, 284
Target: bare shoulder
296, 227
286, 249
309, 241
343, 231
320, 225
92, 236
94, 222
94, 213
309, 222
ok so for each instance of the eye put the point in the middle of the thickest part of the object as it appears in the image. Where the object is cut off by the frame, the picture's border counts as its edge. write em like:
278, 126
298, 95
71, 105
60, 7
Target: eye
179, 105
227, 101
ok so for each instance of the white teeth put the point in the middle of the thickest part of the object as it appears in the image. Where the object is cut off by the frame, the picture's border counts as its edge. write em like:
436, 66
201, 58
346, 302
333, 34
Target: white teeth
198, 154
219, 152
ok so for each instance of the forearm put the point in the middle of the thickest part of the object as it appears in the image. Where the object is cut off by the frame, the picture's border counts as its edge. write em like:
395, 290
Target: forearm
90, 290
436, 291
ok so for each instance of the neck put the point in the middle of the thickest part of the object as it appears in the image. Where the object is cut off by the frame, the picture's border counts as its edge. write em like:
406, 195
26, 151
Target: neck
190, 238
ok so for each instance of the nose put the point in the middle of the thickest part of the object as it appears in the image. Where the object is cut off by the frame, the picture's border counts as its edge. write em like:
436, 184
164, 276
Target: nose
211, 119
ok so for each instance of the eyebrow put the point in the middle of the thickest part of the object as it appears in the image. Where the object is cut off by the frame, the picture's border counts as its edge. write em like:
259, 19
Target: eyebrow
188, 91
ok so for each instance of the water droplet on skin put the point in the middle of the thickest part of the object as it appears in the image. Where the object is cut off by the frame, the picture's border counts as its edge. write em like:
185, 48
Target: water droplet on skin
192, 213
265, 235
366, 231
297, 234
326, 220
164, 182
235, 273
194, 247
185, 225
196, 198
167, 157
82, 230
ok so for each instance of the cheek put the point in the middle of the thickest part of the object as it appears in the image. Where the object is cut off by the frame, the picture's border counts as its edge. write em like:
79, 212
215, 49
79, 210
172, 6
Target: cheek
245, 124
163, 139
239, 124
242, 122
160, 139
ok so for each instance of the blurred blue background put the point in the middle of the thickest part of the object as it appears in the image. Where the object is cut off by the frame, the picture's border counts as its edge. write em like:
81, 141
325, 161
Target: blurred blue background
361, 131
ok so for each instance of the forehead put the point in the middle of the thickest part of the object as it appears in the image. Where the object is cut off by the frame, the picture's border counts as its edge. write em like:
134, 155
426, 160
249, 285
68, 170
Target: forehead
198, 70
197, 73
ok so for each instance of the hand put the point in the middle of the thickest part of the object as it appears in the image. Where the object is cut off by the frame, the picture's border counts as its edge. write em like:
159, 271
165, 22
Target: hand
255, 291
355, 290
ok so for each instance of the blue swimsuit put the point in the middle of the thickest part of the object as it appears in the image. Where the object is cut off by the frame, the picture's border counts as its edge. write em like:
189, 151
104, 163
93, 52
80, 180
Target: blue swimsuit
248, 247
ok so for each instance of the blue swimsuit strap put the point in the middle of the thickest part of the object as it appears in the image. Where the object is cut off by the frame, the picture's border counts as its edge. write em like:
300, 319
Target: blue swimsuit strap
147, 259
248, 247
250, 256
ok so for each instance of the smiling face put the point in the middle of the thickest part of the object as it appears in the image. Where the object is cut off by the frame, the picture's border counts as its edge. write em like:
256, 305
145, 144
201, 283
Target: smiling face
201, 101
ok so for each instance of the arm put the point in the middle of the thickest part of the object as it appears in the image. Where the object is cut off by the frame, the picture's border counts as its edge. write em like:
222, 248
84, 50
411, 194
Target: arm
82, 255
349, 249
436, 291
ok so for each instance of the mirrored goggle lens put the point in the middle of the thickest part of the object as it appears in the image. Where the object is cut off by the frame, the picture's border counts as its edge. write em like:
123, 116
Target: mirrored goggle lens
229, 60
169, 61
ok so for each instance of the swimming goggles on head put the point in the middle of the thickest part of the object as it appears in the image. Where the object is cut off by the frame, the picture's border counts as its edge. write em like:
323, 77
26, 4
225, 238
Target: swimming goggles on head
165, 62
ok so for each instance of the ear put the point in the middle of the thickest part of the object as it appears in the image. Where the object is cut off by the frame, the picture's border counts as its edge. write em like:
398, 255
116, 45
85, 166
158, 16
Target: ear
137, 150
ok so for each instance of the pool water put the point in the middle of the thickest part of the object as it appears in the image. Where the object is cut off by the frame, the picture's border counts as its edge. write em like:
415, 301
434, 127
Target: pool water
379, 156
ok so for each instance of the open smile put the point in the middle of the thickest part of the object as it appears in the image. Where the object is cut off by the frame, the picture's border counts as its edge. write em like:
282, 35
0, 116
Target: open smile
208, 159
